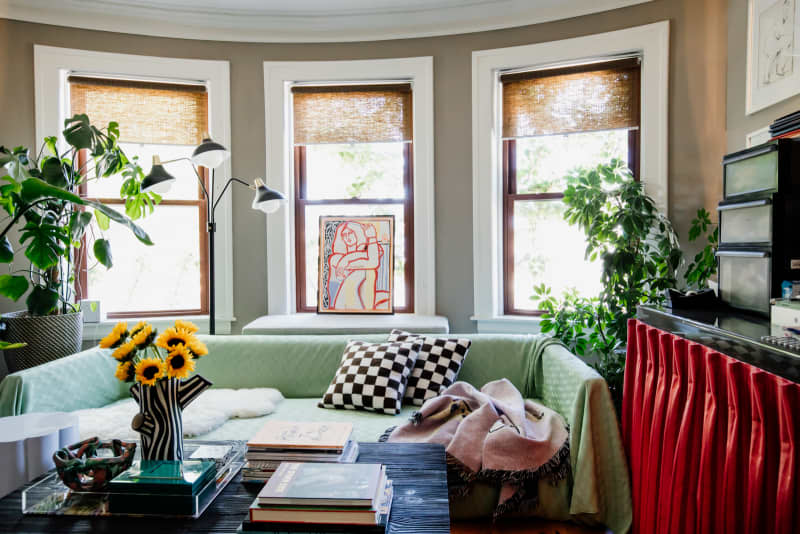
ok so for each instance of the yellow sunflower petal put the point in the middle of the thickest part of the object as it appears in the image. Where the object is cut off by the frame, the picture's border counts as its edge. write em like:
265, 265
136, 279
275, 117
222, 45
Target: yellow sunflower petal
115, 337
144, 335
124, 371
125, 351
197, 347
186, 326
171, 337
149, 370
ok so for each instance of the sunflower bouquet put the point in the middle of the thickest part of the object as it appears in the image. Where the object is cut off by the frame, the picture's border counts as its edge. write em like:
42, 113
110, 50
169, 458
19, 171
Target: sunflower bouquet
145, 356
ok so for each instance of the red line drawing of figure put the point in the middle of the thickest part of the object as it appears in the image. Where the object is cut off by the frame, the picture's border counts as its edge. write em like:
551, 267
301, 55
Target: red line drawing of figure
354, 263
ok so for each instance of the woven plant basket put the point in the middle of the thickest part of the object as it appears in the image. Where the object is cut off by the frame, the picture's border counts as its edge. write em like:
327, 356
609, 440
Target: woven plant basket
48, 338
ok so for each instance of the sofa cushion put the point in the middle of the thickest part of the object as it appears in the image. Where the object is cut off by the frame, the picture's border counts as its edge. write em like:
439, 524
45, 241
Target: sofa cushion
439, 360
372, 377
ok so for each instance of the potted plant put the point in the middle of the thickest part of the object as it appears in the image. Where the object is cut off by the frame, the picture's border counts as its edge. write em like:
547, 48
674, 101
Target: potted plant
640, 254
48, 219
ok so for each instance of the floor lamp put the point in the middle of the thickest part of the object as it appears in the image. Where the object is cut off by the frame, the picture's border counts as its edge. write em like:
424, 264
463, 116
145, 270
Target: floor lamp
211, 155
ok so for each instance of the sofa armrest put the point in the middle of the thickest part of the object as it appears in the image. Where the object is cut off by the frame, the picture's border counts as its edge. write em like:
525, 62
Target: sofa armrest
81, 380
601, 482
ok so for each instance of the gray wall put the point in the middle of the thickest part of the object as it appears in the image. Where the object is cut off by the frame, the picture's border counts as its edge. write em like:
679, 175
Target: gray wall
739, 124
696, 140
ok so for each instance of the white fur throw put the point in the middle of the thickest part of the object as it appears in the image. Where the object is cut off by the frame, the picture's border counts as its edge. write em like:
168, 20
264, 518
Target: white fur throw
209, 411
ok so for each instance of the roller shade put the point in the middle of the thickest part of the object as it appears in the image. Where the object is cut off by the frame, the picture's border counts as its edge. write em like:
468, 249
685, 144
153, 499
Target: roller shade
160, 113
352, 114
597, 96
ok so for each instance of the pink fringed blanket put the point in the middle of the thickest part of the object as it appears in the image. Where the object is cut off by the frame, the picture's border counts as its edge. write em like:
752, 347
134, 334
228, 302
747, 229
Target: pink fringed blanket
493, 435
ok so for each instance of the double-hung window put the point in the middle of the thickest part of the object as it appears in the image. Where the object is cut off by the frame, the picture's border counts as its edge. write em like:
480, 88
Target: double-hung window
554, 120
170, 277
353, 155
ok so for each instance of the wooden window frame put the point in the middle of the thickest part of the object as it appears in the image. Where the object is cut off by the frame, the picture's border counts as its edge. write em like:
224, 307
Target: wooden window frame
510, 196
301, 201
81, 269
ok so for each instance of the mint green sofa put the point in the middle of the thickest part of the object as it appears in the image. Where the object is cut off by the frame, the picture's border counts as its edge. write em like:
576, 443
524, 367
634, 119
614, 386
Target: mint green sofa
301, 368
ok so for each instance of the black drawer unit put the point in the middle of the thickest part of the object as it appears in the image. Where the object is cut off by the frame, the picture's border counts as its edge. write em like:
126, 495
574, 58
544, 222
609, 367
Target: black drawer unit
759, 224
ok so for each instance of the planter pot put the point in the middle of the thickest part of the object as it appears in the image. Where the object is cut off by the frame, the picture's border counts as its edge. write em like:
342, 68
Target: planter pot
160, 418
48, 338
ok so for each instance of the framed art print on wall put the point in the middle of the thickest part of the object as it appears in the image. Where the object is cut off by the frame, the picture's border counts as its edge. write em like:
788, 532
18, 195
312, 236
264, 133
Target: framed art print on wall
773, 52
356, 265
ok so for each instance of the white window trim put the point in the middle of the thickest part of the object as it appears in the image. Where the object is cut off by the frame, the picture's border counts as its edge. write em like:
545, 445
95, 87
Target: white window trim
278, 77
652, 42
52, 65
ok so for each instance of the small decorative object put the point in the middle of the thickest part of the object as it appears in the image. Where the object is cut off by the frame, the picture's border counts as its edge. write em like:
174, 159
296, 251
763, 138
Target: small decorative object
91, 311
81, 469
773, 47
159, 367
356, 265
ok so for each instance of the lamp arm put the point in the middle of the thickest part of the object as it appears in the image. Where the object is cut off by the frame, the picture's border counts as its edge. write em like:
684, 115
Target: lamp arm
194, 168
222, 193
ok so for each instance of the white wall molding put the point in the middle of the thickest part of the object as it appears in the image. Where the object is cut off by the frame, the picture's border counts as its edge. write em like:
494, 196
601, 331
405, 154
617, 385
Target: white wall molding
651, 41
52, 65
273, 21
279, 166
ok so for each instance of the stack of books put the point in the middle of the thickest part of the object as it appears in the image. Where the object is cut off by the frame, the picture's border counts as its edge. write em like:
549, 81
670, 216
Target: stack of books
282, 441
309, 497
785, 127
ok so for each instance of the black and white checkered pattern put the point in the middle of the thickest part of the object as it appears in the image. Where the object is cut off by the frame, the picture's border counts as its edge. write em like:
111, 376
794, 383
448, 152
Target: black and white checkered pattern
372, 377
437, 366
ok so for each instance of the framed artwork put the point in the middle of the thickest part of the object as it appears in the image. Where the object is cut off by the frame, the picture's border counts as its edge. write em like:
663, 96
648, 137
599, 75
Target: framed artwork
773, 52
356, 265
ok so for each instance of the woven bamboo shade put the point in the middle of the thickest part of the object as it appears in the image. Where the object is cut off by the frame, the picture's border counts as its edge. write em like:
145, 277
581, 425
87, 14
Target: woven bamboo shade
352, 114
599, 96
158, 113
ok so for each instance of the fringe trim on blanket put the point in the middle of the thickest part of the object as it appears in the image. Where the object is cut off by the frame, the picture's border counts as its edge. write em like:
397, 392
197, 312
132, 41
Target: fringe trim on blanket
386, 433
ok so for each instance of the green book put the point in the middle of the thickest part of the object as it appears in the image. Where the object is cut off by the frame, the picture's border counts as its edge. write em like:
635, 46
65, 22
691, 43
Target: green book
157, 477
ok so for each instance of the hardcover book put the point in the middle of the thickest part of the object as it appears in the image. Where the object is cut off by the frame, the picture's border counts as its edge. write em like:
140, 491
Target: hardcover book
163, 477
286, 435
318, 484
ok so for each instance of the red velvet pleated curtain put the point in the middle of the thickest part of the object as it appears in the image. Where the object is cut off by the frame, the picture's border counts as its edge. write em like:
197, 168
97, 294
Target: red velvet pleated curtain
712, 442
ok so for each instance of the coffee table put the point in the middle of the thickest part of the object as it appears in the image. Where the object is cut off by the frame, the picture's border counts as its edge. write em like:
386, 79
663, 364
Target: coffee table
420, 505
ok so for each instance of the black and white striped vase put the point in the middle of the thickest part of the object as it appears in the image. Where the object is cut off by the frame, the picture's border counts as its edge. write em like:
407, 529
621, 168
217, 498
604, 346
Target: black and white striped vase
160, 418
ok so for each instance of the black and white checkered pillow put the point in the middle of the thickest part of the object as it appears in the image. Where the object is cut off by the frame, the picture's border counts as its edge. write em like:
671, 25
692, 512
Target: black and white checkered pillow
438, 363
372, 376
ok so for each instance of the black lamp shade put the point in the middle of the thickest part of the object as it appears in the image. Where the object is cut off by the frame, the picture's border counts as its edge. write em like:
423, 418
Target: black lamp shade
266, 199
158, 181
209, 154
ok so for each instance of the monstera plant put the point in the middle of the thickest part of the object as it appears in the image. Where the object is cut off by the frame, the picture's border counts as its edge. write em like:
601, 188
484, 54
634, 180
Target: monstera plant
48, 218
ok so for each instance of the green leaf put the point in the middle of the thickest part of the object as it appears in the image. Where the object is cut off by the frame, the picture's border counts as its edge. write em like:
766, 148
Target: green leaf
102, 220
6, 251
53, 172
78, 132
12, 286
50, 143
45, 246
115, 216
42, 300
35, 189
77, 224
6, 345
102, 251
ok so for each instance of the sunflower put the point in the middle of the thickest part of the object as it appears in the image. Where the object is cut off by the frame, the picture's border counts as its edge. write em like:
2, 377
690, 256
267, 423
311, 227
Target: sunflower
149, 370
173, 336
125, 352
139, 326
125, 371
179, 362
143, 336
116, 337
186, 326
197, 347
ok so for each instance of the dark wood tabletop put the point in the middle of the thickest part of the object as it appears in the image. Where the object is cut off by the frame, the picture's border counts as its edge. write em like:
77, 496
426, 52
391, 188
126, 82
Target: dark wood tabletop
420, 504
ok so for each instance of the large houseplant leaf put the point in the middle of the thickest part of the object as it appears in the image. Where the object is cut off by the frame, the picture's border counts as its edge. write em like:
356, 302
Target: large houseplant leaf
46, 243
117, 217
6, 250
78, 132
102, 251
42, 300
12, 286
